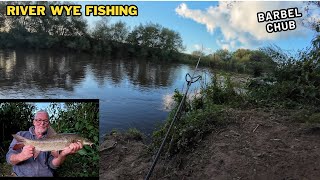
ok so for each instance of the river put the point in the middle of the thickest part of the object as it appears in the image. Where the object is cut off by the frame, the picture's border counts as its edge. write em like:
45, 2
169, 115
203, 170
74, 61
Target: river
132, 93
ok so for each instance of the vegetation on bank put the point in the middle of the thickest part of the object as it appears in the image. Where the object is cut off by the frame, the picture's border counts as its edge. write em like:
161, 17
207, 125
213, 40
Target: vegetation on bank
81, 118
294, 83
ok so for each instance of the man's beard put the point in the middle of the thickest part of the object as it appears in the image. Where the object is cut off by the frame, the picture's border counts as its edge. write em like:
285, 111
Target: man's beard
41, 130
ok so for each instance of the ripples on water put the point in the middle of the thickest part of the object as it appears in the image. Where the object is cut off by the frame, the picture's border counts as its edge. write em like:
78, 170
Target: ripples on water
133, 93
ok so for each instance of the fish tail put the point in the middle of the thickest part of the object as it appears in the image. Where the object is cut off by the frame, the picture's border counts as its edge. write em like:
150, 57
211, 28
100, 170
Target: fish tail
21, 141
19, 138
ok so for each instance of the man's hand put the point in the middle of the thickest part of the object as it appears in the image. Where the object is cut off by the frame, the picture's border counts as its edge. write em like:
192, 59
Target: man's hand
26, 153
71, 149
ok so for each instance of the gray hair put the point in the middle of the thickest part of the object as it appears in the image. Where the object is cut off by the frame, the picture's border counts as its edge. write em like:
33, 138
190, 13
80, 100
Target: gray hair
41, 111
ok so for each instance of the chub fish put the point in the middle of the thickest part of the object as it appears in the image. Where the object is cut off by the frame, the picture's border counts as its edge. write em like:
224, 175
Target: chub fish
53, 143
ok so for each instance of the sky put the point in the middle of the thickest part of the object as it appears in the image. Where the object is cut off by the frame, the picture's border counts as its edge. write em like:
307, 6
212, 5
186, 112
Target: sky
219, 25
46, 106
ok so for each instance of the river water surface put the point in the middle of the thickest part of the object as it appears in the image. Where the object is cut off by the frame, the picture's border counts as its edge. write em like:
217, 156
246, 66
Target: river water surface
132, 93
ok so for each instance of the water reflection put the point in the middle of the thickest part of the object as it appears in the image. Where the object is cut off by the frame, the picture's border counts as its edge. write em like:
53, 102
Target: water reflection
142, 74
7, 62
131, 91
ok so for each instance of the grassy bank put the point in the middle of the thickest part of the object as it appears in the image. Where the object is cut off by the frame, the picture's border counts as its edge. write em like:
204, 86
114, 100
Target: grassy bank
293, 85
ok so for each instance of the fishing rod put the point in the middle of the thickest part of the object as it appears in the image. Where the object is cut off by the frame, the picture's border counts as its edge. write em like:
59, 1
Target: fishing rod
189, 82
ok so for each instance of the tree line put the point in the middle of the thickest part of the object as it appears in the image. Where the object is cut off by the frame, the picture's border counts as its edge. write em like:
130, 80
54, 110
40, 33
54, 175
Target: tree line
73, 33
149, 41
255, 62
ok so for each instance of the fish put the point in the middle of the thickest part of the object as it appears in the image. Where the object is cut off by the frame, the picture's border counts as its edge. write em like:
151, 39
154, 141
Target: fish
54, 143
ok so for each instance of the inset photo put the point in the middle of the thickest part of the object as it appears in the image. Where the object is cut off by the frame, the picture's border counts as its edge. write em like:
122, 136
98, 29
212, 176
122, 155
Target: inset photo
49, 138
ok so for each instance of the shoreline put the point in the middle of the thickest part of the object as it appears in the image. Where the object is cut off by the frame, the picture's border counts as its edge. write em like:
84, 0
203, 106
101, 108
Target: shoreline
256, 140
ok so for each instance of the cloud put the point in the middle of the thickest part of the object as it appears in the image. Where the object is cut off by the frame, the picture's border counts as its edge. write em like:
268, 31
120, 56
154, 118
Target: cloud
197, 47
238, 23
205, 50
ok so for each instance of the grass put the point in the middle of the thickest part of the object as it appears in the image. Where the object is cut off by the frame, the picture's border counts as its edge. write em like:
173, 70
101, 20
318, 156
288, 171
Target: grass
130, 134
134, 134
5, 169
204, 114
200, 116
314, 118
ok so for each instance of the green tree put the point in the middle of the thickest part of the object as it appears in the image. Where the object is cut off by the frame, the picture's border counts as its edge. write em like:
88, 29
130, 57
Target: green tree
54, 25
14, 117
119, 32
155, 36
2, 16
102, 29
197, 53
151, 36
242, 55
222, 55
81, 118
135, 36
171, 41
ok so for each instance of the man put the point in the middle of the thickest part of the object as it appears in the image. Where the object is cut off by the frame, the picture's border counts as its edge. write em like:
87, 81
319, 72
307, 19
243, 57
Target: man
22, 160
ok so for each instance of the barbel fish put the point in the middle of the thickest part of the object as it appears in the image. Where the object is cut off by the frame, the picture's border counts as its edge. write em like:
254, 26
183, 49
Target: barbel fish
53, 143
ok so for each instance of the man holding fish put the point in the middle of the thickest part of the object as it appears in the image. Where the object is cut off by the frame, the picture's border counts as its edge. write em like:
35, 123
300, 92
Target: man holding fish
36, 152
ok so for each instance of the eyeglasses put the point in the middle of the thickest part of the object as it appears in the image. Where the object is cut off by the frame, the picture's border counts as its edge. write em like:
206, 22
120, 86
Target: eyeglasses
45, 121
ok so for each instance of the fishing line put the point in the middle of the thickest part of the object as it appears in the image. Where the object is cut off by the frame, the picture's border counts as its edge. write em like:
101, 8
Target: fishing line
190, 79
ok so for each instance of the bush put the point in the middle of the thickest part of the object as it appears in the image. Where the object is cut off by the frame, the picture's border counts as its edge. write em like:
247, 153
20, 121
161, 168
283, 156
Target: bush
81, 118
295, 81
199, 116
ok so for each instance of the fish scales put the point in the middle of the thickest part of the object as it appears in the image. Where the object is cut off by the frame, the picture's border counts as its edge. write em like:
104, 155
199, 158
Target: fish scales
54, 143
50, 144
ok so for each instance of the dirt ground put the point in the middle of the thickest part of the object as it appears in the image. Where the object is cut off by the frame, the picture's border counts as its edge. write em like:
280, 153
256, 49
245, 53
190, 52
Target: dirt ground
260, 144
